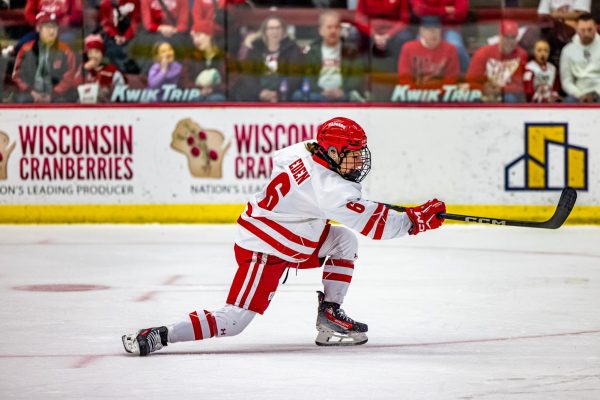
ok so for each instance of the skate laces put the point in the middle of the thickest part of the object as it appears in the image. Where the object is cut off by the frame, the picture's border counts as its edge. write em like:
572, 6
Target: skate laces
339, 313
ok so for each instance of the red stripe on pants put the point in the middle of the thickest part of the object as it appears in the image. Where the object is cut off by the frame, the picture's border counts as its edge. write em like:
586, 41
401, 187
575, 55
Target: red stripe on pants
340, 263
212, 323
196, 325
330, 276
251, 280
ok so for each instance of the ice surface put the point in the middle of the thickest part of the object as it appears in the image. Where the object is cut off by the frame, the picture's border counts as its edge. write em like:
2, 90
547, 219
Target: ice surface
459, 313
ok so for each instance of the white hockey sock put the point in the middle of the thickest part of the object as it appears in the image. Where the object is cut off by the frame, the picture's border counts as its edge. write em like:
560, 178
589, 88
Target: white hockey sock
337, 275
226, 321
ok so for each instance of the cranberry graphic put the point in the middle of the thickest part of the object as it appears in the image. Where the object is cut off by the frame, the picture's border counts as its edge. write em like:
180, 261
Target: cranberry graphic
195, 151
190, 141
1, 157
213, 155
202, 135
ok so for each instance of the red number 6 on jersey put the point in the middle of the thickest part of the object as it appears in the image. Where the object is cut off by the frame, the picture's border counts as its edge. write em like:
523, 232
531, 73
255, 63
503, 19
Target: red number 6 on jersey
356, 207
277, 188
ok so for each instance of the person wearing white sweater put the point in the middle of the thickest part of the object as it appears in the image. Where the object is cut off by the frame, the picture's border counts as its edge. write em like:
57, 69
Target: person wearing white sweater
580, 63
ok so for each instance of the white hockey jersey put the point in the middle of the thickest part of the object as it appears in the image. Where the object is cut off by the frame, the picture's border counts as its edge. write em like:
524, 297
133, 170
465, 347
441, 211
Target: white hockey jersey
540, 82
287, 218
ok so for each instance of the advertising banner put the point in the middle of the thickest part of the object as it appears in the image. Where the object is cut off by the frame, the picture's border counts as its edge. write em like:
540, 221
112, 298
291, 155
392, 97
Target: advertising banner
222, 155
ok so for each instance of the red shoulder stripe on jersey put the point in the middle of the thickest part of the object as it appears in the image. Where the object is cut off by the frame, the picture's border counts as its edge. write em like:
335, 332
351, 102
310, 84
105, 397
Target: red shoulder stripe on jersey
381, 224
330, 276
282, 230
196, 325
280, 247
340, 263
372, 220
212, 323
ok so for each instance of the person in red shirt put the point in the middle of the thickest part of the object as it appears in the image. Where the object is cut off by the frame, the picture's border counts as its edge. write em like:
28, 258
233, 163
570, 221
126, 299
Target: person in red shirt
95, 70
215, 13
428, 62
168, 20
386, 24
453, 14
120, 20
68, 12
497, 69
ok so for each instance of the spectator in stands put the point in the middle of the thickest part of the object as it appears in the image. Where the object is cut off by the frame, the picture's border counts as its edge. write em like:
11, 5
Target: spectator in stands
163, 20
165, 70
497, 69
210, 13
205, 68
69, 15
540, 79
428, 62
453, 13
580, 63
217, 13
168, 18
68, 12
557, 24
386, 23
334, 70
120, 20
564, 11
45, 67
95, 70
272, 70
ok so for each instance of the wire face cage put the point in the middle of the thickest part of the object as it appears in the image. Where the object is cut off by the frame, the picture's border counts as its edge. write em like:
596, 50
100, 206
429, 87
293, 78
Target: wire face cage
358, 166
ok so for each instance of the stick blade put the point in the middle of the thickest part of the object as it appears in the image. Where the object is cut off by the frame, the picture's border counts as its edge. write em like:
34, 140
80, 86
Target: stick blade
566, 203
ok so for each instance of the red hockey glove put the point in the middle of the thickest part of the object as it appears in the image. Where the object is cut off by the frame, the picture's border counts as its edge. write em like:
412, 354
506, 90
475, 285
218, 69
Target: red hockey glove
424, 217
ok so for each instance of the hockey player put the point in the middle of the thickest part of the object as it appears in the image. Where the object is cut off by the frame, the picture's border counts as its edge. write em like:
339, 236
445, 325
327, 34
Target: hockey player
287, 226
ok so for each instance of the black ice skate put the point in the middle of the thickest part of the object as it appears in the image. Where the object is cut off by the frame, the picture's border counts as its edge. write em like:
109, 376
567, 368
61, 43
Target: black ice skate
145, 341
336, 328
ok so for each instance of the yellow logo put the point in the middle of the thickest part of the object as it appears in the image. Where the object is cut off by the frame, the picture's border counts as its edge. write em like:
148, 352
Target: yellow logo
549, 162
5, 151
203, 148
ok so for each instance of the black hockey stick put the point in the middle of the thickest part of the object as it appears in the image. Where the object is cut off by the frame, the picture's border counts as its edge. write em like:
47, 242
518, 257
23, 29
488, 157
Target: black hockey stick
563, 209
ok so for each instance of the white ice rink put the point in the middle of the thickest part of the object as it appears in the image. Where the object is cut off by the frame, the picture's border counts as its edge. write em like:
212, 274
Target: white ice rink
459, 313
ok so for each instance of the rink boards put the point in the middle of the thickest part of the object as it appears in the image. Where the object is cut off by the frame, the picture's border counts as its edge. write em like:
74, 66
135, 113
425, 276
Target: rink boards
201, 164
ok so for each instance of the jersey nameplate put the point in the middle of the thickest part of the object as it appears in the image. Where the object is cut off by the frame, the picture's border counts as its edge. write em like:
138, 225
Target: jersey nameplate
299, 171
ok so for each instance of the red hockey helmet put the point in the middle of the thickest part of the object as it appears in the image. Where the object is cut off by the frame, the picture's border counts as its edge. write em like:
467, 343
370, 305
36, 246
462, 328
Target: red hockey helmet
341, 133
345, 136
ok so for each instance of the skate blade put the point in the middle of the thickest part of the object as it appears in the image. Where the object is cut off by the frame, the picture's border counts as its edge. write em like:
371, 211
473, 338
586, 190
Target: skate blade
130, 344
331, 338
